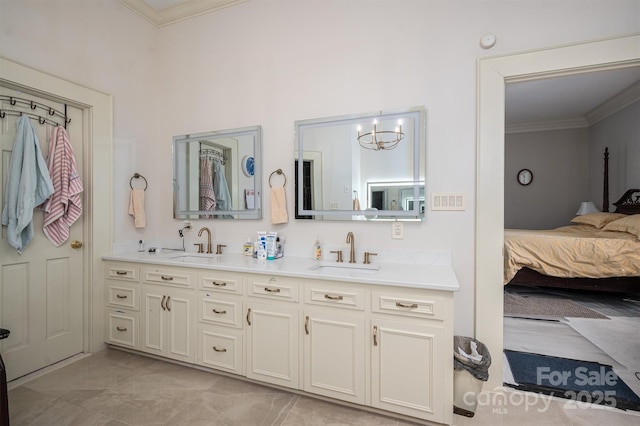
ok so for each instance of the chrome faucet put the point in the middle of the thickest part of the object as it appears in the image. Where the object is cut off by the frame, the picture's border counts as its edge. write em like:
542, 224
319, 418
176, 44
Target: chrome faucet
351, 240
208, 238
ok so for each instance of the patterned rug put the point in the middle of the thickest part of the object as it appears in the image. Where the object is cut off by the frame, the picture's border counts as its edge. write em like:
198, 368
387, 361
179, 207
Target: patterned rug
530, 306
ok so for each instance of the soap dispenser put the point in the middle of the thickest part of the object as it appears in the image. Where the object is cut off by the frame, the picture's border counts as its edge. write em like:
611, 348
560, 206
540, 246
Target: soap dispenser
247, 249
317, 250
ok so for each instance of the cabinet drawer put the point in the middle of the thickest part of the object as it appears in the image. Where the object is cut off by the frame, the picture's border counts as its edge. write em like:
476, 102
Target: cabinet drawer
221, 281
408, 304
122, 295
273, 287
220, 309
123, 329
330, 294
220, 348
123, 272
168, 276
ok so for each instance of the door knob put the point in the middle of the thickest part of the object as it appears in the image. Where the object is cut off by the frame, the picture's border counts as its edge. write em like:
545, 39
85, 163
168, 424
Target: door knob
76, 244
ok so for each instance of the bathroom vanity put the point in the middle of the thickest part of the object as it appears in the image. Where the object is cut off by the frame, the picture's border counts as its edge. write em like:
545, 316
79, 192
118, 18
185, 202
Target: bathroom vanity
378, 336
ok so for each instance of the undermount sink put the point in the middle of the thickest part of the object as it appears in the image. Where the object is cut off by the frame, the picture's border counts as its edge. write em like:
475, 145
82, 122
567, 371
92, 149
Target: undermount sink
194, 257
345, 269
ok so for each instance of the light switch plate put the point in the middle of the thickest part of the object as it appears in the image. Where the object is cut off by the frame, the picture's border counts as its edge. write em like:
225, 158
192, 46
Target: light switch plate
448, 201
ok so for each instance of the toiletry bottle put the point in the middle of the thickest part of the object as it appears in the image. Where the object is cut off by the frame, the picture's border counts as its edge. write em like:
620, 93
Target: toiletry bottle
247, 249
317, 250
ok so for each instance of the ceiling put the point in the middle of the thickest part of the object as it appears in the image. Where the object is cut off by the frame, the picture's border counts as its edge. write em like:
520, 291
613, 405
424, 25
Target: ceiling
166, 12
576, 100
585, 97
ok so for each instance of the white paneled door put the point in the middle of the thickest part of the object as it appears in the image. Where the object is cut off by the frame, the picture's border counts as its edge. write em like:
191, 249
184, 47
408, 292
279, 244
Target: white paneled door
41, 290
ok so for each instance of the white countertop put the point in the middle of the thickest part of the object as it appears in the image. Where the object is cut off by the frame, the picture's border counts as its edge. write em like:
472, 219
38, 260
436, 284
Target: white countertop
435, 277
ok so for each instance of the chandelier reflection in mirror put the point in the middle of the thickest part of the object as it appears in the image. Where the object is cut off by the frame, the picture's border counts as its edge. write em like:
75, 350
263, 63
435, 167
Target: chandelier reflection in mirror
378, 140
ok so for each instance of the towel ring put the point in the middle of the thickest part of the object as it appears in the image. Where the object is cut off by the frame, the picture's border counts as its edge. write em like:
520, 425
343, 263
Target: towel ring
280, 172
136, 176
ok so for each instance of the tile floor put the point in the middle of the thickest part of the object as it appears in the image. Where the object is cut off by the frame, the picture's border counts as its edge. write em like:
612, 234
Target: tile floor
113, 388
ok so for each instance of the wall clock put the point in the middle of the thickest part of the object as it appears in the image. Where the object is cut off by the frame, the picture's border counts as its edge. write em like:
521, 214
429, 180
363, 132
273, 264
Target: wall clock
248, 165
525, 177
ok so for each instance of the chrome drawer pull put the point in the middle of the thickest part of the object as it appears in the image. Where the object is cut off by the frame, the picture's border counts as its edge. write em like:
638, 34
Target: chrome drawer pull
219, 350
121, 329
248, 313
375, 335
121, 272
272, 290
306, 324
330, 297
222, 284
166, 278
121, 297
167, 303
164, 308
406, 305
218, 312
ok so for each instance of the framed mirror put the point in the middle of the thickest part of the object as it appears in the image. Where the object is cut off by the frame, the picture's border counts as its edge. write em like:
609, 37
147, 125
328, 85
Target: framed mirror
217, 175
354, 167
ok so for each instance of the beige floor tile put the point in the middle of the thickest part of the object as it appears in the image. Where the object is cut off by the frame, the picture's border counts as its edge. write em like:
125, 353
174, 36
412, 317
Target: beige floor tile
115, 388
312, 412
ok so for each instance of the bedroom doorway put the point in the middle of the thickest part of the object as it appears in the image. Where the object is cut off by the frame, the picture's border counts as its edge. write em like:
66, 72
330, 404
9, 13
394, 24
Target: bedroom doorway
493, 75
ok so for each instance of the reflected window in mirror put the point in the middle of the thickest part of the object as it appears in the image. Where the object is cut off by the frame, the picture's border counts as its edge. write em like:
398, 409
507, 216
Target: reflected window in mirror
339, 158
217, 175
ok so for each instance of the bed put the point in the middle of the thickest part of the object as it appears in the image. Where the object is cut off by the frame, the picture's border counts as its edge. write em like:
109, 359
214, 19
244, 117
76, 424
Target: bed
599, 251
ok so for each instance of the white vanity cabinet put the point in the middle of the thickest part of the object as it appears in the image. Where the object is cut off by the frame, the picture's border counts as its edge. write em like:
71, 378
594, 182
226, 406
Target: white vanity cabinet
411, 362
220, 335
168, 314
122, 294
380, 345
334, 355
272, 330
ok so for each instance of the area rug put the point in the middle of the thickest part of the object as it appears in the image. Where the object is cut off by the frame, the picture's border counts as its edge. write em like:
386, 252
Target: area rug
539, 307
582, 381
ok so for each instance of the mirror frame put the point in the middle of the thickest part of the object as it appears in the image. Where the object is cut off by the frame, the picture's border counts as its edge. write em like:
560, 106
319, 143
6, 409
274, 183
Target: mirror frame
419, 164
246, 214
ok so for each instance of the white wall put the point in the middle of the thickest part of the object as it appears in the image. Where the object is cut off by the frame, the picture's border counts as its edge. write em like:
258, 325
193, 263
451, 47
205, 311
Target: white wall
272, 62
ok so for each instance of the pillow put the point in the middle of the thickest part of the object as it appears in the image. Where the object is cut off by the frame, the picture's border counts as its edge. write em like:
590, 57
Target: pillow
629, 224
597, 219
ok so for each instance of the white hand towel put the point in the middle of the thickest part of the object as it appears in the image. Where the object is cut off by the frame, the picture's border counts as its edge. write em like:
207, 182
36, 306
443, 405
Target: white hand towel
356, 204
136, 208
278, 206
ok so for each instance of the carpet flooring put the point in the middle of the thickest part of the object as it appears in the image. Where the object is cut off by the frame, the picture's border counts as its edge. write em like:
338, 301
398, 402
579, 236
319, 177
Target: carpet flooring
535, 306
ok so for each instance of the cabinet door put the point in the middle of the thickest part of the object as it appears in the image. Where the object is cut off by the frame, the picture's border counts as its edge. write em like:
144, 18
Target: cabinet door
180, 317
273, 343
334, 355
167, 322
407, 360
153, 328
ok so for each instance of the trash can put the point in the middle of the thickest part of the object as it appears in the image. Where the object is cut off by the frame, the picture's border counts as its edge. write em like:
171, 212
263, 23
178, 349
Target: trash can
471, 361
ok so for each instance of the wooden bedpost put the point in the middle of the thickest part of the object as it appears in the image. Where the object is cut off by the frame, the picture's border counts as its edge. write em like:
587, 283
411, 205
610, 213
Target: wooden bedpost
605, 189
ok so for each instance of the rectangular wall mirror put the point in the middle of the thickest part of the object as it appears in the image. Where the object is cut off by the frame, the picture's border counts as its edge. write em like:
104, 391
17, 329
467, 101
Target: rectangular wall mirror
217, 175
362, 167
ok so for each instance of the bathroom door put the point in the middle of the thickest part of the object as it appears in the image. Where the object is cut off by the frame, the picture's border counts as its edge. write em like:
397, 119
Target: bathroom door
41, 290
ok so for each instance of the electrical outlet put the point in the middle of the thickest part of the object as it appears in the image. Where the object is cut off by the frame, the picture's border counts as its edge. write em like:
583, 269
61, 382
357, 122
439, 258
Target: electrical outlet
333, 205
397, 230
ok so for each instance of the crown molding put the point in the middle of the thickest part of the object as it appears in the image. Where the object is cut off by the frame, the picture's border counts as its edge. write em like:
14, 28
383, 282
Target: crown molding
179, 12
541, 126
617, 103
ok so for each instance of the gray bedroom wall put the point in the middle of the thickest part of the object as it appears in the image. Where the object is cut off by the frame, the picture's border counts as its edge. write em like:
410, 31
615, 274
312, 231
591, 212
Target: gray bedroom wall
559, 160
621, 133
